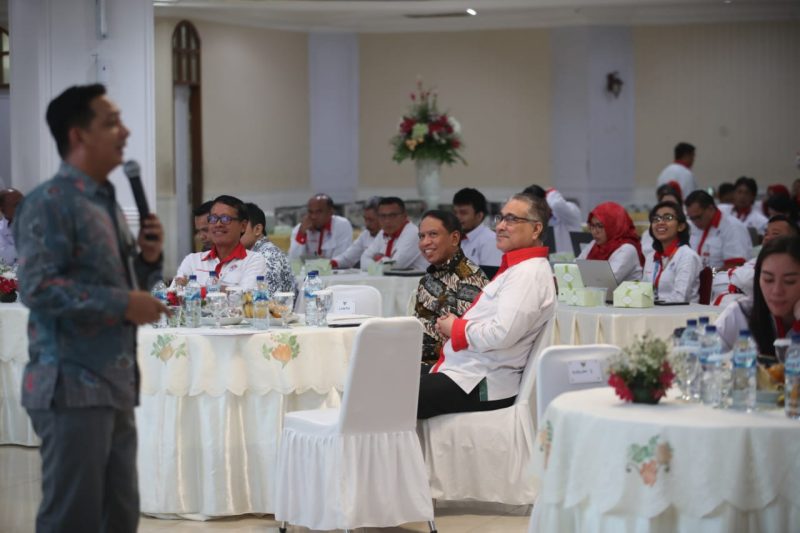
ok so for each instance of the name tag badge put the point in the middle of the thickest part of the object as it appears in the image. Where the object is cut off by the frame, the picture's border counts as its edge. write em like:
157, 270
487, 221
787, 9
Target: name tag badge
588, 371
344, 306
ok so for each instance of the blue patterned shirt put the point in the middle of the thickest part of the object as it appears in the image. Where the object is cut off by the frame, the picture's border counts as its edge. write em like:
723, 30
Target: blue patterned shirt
279, 276
77, 263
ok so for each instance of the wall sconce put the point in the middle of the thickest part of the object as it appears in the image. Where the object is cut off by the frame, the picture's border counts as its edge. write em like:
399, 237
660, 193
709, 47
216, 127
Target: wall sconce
614, 83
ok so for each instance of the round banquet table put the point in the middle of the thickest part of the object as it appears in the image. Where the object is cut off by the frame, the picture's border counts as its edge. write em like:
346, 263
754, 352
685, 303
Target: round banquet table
617, 325
605, 465
396, 291
15, 426
212, 406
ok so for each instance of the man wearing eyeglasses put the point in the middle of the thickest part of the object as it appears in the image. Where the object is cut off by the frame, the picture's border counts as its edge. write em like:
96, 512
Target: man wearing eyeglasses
398, 239
320, 233
234, 264
481, 364
720, 240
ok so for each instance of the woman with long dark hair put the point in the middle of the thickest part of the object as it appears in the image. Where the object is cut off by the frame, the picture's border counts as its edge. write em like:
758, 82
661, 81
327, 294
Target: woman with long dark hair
673, 267
775, 309
616, 241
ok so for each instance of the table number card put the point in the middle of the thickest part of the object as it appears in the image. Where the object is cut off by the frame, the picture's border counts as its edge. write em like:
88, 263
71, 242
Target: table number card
588, 371
344, 306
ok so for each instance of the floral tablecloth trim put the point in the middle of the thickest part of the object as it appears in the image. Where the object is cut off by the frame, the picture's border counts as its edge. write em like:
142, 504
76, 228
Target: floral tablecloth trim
649, 458
546, 440
283, 348
165, 350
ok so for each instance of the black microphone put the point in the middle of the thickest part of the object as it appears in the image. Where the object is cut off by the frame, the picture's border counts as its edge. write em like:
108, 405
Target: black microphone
131, 169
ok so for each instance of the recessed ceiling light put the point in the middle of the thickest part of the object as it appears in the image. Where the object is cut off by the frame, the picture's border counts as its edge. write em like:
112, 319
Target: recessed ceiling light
471, 12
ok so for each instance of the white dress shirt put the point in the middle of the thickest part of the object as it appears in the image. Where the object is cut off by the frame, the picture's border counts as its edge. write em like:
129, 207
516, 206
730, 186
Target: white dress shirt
624, 262
753, 219
725, 241
480, 247
493, 339
8, 251
681, 174
731, 320
679, 279
334, 240
405, 249
350, 257
236, 273
566, 217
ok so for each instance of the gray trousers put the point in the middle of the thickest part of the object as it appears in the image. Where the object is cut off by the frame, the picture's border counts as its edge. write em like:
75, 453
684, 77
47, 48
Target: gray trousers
89, 479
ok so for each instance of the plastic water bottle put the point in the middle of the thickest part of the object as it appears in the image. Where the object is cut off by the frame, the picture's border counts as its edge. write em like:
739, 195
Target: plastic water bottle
743, 391
712, 362
160, 292
792, 376
690, 346
192, 302
702, 323
212, 285
312, 284
261, 304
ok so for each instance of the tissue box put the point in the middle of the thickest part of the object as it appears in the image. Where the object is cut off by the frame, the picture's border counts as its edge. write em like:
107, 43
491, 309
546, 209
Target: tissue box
323, 266
583, 297
568, 277
634, 294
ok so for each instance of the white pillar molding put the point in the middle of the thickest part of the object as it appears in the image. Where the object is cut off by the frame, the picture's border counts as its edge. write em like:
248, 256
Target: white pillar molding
592, 132
55, 45
333, 78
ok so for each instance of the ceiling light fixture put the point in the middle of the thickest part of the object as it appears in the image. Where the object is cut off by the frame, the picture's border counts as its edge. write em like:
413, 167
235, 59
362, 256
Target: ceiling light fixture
471, 12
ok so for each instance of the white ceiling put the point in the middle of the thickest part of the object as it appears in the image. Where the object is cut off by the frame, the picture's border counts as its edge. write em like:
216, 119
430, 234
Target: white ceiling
427, 15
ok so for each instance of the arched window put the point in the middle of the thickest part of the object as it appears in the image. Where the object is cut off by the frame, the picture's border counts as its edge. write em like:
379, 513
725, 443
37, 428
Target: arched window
185, 54
5, 58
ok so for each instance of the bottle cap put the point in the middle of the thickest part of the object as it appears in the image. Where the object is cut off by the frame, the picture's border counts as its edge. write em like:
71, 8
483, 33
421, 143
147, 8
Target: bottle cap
744, 332
212, 274
193, 277
795, 338
313, 273
691, 323
259, 278
703, 320
711, 328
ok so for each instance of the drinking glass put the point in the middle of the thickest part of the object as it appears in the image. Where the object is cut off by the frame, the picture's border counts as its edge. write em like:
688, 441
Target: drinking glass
174, 316
781, 347
217, 303
324, 303
283, 303
235, 302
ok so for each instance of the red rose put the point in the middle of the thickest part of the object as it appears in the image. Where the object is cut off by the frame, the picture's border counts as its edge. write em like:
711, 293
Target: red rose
455, 143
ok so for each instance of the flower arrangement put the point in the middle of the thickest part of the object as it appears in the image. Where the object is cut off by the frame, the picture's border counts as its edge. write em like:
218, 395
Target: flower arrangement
424, 133
641, 372
8, 284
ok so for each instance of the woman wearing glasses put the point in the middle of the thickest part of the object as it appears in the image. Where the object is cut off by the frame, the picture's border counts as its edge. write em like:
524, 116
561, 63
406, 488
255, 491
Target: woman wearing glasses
673, 268
615, 241
235, 265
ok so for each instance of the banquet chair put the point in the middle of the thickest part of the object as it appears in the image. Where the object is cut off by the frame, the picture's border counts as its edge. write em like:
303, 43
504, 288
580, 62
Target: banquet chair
553, 375
360, 465
367, 300
706, 284
484, 455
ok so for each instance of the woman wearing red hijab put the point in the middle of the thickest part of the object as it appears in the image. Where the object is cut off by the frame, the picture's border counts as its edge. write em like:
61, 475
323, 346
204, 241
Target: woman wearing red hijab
616, 241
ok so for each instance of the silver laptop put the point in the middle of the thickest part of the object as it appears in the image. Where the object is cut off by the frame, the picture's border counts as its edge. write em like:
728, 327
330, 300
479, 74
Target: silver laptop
598, 274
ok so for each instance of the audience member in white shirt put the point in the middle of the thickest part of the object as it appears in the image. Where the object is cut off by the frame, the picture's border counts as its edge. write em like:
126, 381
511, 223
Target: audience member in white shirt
743, 208
720, 240
615, 241
664, 193
563, 216
201, 226
774, 311
680, 170
398, 239
9, 199
478, 242
352, 256
482, 362
234, 264
673, 267
320, 233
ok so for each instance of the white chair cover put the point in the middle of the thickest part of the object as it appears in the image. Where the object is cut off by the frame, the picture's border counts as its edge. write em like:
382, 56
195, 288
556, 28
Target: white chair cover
552, 374
361, 465
367, 299
484, 455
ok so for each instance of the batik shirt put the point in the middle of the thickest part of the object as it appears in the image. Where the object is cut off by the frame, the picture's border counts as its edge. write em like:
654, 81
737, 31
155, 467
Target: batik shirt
450, 288
77, 264
279, 276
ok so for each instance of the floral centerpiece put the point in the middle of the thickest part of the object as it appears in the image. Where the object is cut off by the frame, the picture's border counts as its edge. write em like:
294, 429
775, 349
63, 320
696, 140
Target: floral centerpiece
8, 284
641, 373
429, 138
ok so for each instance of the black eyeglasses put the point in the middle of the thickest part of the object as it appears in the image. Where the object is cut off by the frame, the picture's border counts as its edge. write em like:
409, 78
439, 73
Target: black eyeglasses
222, 219
669, 217
512, 219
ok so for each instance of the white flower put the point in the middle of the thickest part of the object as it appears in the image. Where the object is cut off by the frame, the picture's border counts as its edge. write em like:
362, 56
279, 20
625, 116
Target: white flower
454, 124
9, 274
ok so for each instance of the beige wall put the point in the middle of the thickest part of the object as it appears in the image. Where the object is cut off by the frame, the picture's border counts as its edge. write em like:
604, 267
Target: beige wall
731, 90
255, 109
495, 83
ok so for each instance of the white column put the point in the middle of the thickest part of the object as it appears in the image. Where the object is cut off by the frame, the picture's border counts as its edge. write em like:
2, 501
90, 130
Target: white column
333, 108
593, 137
54, 45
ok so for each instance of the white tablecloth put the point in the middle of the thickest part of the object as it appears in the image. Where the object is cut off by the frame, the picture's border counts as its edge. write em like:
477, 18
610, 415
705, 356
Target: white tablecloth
604, 465
395, 290
15, 426
212, 410
615, 325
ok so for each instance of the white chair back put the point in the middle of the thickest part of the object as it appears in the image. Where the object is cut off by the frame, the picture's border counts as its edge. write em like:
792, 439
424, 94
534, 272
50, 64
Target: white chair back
553, 375
529, 373
382, 385
367, 299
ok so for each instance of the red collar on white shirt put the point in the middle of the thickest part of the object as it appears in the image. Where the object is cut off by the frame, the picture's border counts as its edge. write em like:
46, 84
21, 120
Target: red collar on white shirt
238, 253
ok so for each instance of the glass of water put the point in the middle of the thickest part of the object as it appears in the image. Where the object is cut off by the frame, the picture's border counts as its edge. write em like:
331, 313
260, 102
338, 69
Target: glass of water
324, 304
282, 305
217, 303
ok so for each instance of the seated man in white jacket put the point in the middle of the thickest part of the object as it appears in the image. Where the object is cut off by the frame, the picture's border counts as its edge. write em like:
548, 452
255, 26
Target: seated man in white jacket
320, 233
372, 226
482, 362
744, 208
398, 240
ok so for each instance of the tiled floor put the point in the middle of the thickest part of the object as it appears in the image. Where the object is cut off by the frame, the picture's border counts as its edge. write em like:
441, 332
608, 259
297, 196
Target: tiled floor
20, 493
